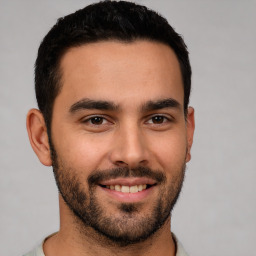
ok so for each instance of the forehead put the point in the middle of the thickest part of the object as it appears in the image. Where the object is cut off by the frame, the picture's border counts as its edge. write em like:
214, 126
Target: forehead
116, 71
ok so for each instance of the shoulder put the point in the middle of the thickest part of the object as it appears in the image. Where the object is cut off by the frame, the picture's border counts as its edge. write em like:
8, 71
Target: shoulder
38, 251
180, 251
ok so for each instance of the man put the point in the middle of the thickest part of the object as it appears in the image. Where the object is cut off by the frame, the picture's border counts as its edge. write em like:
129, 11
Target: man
112, 84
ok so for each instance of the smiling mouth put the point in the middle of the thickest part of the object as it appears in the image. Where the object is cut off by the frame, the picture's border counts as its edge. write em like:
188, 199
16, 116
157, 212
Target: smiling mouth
128, 189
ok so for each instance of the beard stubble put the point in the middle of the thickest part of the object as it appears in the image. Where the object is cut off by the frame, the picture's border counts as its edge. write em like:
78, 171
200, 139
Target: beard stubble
129, 226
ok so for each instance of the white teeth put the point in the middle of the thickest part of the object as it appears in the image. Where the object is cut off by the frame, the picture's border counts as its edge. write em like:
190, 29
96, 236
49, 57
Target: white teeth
134, 189
127, 189
117, 187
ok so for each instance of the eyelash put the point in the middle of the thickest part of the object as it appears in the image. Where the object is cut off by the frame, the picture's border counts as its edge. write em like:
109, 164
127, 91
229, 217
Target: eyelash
164, 118
104, 119
89, 119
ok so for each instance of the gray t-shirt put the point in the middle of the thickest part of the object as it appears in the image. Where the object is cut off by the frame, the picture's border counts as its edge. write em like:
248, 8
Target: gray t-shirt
38, 251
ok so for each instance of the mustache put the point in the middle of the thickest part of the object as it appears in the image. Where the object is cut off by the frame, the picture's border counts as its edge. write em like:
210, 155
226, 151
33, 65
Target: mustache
123, 172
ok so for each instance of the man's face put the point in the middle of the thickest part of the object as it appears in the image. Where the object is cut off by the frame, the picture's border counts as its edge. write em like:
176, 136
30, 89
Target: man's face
119, 136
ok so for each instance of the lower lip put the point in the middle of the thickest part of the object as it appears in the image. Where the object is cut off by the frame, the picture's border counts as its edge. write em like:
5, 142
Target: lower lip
128, 197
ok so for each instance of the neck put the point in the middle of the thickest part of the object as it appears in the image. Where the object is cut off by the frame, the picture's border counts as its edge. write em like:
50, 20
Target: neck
72, 240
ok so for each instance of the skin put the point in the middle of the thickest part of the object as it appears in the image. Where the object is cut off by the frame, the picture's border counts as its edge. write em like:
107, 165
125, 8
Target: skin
129, 75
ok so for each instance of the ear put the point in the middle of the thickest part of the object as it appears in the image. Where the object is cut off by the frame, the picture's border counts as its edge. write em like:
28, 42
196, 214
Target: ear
37, 133
190, 131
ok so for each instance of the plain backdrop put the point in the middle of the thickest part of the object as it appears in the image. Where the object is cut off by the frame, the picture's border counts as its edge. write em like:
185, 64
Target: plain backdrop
216, 213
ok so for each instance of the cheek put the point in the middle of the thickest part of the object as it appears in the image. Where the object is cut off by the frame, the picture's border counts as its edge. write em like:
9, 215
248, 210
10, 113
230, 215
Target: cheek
81, 152
170, 150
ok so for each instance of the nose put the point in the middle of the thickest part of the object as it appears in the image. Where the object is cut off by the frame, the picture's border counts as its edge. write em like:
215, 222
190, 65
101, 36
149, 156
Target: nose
129, 148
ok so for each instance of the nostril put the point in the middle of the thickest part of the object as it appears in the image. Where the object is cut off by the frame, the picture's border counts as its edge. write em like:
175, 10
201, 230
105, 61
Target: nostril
121, 163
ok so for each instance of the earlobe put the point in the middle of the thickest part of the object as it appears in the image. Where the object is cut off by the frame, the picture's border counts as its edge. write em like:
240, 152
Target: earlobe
38, 136
190, 131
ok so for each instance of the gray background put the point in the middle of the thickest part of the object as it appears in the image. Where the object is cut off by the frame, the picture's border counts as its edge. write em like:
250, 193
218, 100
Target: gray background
216, 214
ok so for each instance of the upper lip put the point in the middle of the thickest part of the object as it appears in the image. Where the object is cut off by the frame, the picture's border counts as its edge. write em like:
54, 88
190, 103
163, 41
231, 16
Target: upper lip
131, 181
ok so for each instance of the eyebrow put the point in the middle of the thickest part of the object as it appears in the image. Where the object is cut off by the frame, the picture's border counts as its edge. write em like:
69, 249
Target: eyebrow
160, 104
92, 104
110, 106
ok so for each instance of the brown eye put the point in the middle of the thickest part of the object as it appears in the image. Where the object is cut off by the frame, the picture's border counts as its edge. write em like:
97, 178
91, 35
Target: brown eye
97, 123
97, 120
158, 119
